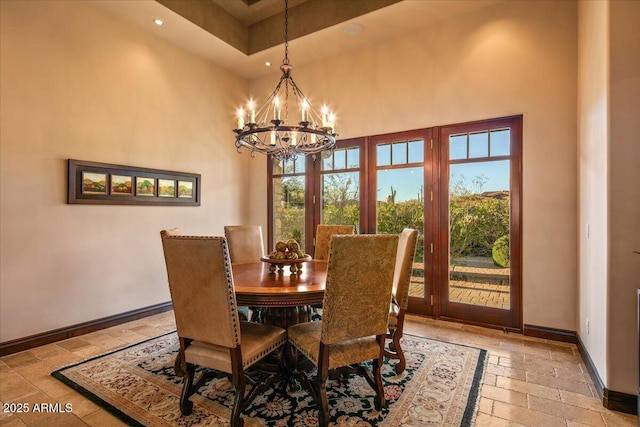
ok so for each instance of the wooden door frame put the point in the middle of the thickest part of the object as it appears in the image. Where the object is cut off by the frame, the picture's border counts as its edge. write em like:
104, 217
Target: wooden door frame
484, 316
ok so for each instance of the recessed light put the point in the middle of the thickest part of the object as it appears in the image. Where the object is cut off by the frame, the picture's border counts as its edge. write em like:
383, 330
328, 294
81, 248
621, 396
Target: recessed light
158, 21
353, 29
268, 64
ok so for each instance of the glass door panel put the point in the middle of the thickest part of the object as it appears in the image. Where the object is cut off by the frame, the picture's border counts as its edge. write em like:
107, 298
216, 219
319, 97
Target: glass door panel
400, 199
479, 227
288, 192
340, 187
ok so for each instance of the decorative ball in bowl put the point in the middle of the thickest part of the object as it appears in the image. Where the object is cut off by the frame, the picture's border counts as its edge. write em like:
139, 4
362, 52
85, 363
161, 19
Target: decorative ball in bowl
286, 253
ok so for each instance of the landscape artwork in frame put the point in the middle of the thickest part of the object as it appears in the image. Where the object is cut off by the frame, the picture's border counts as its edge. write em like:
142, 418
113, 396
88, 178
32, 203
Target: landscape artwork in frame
166, 188
110, 184
185, 189
94, 183
121, 185
145, 186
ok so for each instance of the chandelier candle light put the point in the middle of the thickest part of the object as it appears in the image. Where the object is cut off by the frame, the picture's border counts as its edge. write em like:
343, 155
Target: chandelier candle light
264, 130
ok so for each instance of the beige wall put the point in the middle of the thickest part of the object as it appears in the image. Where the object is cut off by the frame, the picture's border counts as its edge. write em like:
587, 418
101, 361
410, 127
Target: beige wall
514, 58
609, 197
593, 137
624, 195
79, 83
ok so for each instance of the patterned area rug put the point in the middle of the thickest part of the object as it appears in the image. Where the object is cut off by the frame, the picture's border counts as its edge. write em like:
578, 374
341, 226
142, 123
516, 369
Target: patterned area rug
440, 387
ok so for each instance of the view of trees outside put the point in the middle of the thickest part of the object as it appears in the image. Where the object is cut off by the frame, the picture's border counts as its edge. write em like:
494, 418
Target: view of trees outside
289, 215
477, 219
478, 239
341, 199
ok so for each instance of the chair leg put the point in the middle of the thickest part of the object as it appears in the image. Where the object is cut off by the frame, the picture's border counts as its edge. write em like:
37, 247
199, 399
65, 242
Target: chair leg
186, 406
320, 385
390, 335
323, 402
379, 400
239, 382
402, 363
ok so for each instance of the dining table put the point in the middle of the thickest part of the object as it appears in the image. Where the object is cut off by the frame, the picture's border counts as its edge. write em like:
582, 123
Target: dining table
282, 298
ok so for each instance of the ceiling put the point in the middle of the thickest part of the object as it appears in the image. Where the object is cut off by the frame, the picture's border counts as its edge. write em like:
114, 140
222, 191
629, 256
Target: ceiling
242, 35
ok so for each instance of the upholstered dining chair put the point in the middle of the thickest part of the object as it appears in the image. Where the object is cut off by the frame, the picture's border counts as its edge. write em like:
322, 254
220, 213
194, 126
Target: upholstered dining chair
355, 314
323, 238
245, 244
210, 332
398, 308
321, 251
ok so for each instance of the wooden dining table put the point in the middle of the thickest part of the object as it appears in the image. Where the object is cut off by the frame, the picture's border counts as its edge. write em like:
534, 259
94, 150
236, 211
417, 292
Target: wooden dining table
280, 298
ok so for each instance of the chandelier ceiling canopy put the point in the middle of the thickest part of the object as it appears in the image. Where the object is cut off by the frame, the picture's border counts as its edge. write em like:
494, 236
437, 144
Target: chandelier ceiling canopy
281, 128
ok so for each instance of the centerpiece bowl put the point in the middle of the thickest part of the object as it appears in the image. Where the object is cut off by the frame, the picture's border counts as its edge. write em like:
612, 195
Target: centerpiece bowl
295, 265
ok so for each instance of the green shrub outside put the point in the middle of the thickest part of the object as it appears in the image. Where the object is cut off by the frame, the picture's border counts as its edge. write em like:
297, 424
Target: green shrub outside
500, 252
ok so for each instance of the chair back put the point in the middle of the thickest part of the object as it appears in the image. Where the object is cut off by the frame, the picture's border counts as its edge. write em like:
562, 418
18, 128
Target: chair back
358, 288
323, 238
201, 286
404, 266
245, 242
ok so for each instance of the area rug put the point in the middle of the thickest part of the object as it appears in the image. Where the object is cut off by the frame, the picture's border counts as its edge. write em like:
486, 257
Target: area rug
440, 387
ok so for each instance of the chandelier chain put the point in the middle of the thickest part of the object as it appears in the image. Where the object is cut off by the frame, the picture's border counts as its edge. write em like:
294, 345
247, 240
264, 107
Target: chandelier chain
286, 33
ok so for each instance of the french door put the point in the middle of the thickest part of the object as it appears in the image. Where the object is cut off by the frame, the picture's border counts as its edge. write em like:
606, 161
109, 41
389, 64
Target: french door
458, 185
479, 278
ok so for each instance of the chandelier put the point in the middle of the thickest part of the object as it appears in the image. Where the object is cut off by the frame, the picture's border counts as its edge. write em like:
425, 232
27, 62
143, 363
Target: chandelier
267, 130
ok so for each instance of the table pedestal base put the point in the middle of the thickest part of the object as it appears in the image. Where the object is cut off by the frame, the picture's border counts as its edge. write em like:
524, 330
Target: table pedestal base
282, 316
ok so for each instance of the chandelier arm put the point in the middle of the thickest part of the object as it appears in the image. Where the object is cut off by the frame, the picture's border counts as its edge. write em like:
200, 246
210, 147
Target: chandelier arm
263, 111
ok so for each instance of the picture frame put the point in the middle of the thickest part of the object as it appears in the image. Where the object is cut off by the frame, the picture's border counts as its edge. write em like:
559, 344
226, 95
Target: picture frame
107, 184
166, 187
121, 185
94, 182
145, 186
185, 189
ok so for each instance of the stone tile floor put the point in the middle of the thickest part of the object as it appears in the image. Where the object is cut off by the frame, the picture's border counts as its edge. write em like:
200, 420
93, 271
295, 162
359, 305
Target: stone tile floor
528, 381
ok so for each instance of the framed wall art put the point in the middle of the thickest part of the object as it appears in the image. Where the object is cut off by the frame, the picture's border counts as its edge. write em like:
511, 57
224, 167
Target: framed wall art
108, 184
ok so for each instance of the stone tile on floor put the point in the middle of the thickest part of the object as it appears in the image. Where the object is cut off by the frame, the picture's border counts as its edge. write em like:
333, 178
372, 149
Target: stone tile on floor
484, 420
526, 416
105, 341
504, 395
540, 368
559, 383
571, 423
490, 379
518, 374
485, 405
573, 375
81, 405
52, 387
564, 364
618, 419
56, 356
568, 412
17, 360
528, 388
34, 402
60, 420
14, 387
591, 403
12, 421
34, 371
102, 418
73, 344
